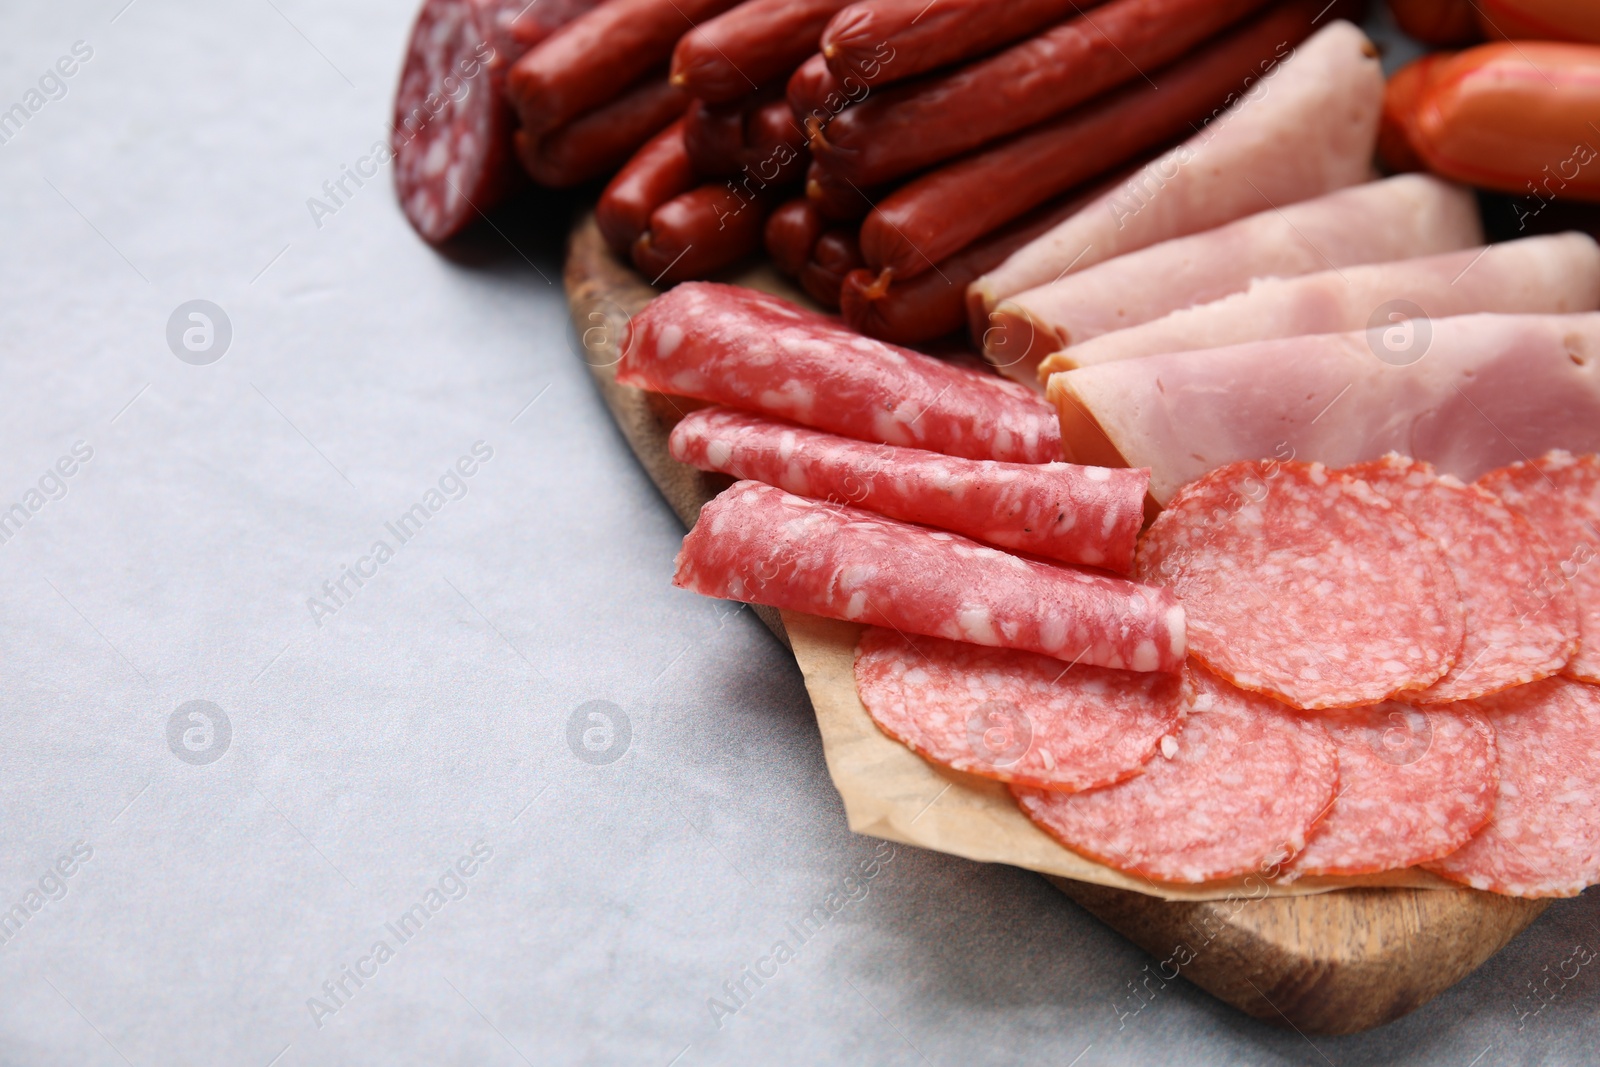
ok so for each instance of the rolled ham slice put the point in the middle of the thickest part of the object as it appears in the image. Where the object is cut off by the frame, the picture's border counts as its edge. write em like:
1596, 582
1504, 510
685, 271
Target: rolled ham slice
1087, 515
1308, 128
1466, 394
761, 545
1374, 223
1559, 274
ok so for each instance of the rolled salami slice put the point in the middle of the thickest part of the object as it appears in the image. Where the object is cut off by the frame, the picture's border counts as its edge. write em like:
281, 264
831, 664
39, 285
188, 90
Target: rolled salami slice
1240, 794
1015, 716
1414, 784
763, 546
735, 346
1088, 515
1559, 493
1543, 839
1515, 631
1305, 584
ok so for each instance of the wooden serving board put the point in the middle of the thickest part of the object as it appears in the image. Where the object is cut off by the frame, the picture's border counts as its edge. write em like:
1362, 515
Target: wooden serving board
1331, 963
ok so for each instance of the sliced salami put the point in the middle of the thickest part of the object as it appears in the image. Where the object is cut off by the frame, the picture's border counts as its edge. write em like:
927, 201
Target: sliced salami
735, 346
763, 546
1515, 632
1414, 784
1305, 584
1015, 716
1543, 839
1559, 494
451, 135
1061, 511
1248, 781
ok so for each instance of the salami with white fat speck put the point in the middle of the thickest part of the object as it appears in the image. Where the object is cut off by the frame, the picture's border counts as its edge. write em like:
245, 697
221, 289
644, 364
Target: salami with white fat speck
1415, 783
1015, 716
1543, 839
1559, 494
451, 135
1305, 584
1087, 515
755, 352
1239, 794
1515, 632
761, 545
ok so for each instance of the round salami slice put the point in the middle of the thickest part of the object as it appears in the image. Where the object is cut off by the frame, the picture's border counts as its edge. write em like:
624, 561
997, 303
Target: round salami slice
1015, 716
1559, 494
1240, 792
1305, 584
1515, 631
451, 135
1543, 839
1414, 784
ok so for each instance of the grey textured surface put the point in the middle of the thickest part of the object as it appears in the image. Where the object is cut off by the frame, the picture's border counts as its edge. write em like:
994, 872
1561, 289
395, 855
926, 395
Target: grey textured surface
370, 753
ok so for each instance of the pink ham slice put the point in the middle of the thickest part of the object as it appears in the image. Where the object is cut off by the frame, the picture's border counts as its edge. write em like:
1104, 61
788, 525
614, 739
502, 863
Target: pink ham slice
1240, 793
1308, 128
1014, 716
1410, 215
1414, 785
1516, 630
1466, 394
761, 545
1559, 493
1087, 515
1543, 839
748, 350
1304, 584
1559, 274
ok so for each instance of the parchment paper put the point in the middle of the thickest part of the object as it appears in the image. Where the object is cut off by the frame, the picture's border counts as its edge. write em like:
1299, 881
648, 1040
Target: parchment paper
892, 793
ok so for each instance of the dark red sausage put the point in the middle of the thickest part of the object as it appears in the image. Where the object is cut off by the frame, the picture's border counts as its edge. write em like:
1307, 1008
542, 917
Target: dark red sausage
698, 233
658, 172
933, 304
1438, 22
585, 63
897, 131
598, 143
792, 232
521, 25
770, 125
451, 132
714, 134
1401, 98
942, 212
816, 96
835, 198
836, 254
740, 50
884, 41
724, 139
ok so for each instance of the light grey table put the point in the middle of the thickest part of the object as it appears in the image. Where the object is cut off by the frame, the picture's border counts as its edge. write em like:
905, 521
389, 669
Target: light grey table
226, 869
